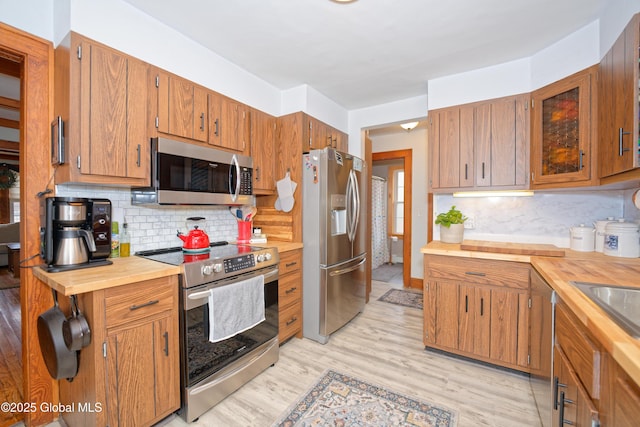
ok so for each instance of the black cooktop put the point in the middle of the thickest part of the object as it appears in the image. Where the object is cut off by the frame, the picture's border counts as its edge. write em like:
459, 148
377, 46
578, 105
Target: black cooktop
178, 256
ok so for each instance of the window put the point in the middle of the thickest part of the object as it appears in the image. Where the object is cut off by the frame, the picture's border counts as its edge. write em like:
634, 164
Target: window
396, 201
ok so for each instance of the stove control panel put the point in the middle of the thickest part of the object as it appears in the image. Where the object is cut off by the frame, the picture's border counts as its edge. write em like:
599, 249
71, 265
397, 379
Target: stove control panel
232, 265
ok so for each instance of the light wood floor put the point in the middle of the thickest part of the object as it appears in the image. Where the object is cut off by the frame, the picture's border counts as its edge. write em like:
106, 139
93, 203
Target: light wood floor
383, 346
10, 352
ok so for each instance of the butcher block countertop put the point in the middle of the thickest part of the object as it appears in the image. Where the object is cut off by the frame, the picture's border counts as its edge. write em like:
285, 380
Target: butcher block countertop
583, 267
123, 271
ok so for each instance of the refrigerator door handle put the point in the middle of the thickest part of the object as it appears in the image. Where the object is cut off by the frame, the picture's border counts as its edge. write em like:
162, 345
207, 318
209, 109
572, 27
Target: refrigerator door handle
352, 202
348, 269
357, 213
349, 197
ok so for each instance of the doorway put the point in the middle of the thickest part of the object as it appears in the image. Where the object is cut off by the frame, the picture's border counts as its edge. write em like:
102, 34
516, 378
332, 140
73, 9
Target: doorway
393, 235
10, 312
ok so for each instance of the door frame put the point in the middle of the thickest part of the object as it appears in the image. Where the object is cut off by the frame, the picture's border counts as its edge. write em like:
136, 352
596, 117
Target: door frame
36, 112
407, 156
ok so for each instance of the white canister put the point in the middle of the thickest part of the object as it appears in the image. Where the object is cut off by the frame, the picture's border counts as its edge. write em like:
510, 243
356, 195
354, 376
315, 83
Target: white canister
622, 239
582, 238
600, 225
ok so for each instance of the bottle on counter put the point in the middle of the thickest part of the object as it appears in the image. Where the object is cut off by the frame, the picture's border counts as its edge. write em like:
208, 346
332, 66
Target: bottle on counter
125, 241
115, 240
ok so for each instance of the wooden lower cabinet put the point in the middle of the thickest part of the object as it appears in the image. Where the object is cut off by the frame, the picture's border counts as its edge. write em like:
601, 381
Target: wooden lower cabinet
578, 370
290, 295
624, 409
477, 308
130, 370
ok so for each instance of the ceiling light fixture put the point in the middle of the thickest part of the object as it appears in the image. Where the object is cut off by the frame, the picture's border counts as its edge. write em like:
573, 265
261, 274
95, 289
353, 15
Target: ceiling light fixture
409, 126
343, 1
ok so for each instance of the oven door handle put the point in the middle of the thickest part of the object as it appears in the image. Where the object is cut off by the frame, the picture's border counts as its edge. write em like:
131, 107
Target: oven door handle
205, 294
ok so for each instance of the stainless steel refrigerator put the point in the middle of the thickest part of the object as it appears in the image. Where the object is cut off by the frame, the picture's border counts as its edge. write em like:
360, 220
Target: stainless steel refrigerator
334, 252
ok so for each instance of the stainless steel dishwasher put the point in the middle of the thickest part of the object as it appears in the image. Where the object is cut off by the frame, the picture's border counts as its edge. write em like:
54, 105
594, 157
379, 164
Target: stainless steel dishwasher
541, 338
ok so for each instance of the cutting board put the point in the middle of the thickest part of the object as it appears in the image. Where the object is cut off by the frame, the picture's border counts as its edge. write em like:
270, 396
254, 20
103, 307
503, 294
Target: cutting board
535, 249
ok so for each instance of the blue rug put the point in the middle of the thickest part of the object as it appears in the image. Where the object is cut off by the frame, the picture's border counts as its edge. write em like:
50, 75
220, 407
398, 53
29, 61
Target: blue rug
341, 400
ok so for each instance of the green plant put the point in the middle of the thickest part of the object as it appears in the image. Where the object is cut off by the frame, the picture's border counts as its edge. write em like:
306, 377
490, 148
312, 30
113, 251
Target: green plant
454, 216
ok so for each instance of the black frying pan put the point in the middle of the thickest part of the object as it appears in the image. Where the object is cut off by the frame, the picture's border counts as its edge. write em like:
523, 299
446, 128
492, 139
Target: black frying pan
61, 362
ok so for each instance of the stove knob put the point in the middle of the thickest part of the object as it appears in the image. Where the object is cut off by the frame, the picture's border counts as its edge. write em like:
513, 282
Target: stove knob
207, 270
267, 256
260, 257
217, 268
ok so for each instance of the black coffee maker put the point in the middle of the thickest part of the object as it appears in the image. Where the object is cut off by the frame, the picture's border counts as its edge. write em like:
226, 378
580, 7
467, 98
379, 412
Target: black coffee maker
75, 232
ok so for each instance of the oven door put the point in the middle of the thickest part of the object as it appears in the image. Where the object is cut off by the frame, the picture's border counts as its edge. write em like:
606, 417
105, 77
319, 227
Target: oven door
202, 358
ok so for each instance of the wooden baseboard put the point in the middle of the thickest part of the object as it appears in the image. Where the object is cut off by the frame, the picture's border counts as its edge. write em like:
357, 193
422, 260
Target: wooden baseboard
415, 283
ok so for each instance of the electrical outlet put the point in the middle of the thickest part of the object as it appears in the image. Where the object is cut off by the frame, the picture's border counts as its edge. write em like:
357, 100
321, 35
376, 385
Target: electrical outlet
470, 223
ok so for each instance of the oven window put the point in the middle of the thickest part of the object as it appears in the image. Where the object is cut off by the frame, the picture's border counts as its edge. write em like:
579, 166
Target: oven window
205, 358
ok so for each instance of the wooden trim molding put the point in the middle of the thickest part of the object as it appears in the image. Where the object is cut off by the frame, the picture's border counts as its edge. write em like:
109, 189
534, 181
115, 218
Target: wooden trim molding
36, 65
407, 156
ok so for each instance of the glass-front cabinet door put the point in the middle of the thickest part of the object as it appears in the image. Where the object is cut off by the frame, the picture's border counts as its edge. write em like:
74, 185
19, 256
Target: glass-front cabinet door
561, 137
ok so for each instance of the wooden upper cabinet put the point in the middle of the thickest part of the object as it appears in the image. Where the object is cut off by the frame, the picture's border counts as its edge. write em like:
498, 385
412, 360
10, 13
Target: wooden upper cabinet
230, 124
320, 135
263, 152
482, 145
182, 107
562, 132
618, 92
101, 95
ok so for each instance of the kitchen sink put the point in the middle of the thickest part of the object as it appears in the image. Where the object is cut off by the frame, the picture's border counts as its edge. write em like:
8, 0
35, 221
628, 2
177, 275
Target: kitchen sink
621, 303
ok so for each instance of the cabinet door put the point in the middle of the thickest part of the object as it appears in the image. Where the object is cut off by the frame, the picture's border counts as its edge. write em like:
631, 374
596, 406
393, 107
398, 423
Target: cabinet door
474, 320
504, 326
181, 116
263, 152
103, 110
571, 405
200, 114
142, 377
320, 137
230, 126
625, 399
166, 356
561, 137
441, 314
619, 131
131, 376
500, 141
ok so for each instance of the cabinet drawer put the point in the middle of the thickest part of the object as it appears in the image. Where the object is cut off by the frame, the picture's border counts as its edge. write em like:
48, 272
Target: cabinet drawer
290, 321
290, 261
133, 302
581, 351
289, 288
480, 271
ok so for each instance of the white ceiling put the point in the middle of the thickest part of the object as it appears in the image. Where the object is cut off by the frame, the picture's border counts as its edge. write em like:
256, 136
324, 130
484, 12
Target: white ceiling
371, 52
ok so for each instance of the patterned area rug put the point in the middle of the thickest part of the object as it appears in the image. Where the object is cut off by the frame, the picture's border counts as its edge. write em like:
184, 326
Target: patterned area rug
403, 297
340, 400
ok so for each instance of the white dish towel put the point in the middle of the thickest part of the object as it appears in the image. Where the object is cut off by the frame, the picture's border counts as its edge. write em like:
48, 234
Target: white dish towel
235, 308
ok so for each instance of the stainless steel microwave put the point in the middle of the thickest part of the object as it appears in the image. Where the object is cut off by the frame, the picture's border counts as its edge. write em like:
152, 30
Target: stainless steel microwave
189, 174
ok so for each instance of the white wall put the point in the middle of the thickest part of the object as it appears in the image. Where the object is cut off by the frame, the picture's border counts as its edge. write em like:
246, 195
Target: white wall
415, 140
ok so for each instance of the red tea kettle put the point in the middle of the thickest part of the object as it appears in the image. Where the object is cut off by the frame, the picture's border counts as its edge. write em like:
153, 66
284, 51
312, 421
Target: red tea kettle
197, 239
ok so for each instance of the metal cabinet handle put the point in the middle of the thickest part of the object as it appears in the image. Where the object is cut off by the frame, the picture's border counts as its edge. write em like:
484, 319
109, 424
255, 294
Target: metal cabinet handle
482, 170
581, 160
466, 171
202, 121
293, 289
621, 133
556, 385
146, 304
291, 264
166, 343
475, 273
292, 320
139, 155
258, 173
481, 306
466, 303
216, 132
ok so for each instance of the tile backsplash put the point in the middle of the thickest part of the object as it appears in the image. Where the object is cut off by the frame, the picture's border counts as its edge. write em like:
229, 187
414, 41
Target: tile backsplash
155, 227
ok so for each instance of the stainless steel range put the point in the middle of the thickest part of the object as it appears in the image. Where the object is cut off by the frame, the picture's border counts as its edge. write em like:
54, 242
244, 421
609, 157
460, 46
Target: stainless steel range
214, 367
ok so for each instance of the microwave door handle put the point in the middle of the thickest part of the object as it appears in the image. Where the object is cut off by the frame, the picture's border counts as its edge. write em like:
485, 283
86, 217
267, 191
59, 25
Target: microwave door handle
235, 165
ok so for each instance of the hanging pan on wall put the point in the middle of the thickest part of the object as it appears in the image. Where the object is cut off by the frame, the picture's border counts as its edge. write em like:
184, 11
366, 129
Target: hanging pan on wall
75, 329
61, 362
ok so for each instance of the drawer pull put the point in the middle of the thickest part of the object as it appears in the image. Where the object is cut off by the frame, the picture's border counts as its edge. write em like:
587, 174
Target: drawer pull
291, 264
146, 304
288, 291
475, 273
293, 320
